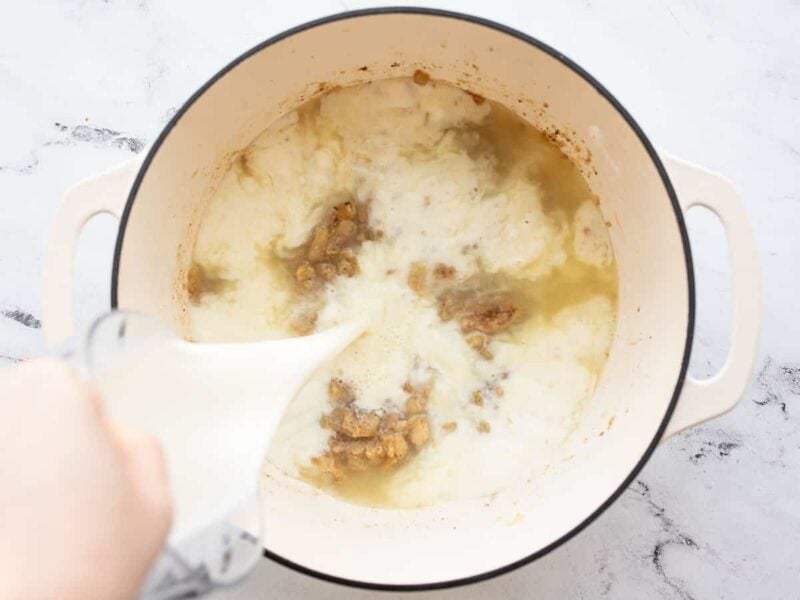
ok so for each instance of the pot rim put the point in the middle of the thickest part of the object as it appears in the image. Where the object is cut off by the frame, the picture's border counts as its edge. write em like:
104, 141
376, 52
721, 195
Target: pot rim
653, 157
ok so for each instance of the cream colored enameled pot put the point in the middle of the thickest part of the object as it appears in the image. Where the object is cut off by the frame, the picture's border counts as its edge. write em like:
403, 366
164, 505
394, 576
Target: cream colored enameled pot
645, 394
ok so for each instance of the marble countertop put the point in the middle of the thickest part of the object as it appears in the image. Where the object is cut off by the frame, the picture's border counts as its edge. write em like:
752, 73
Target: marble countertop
715, 513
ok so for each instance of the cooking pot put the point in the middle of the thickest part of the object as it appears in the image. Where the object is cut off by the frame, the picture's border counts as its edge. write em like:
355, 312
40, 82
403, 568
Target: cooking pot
645, 394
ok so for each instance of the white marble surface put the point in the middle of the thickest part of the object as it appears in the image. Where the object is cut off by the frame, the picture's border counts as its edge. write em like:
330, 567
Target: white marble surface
85, 84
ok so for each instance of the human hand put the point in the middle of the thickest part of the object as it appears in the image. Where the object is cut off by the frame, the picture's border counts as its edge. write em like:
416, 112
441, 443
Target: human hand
84, 504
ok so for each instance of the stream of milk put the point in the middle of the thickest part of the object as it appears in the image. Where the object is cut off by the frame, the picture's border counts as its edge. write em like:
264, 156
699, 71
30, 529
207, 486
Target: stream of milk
214, 408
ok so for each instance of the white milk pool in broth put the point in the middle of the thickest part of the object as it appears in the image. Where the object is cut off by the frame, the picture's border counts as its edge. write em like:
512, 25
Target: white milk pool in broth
456, 188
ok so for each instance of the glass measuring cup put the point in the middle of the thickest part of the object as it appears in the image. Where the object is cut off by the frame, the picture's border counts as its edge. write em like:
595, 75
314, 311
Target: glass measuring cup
193, 562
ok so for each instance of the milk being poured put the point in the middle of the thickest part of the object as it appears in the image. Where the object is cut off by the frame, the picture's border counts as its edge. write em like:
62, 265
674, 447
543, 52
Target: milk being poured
214, 408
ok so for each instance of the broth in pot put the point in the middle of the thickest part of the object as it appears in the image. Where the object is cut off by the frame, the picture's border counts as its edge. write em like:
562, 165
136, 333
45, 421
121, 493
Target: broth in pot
473, 246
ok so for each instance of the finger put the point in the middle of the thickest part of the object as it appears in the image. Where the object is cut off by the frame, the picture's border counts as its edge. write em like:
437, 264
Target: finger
147, 471
52, 388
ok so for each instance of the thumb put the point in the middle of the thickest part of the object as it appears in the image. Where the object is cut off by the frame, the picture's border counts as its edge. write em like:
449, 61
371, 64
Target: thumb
147, 471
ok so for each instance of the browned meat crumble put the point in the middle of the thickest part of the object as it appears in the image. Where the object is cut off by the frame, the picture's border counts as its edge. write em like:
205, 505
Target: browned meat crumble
479, 313
202, 280
363, 439
421, 77
330, 252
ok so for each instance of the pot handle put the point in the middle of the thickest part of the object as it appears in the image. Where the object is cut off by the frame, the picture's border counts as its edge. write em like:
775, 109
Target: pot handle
104, 193
704, 399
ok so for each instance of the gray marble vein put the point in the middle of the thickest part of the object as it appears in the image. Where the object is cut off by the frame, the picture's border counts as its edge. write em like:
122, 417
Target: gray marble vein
23, 318
100, 137
714, 514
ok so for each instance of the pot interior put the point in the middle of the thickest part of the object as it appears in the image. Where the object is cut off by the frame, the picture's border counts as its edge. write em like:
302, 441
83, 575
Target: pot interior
449, 542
